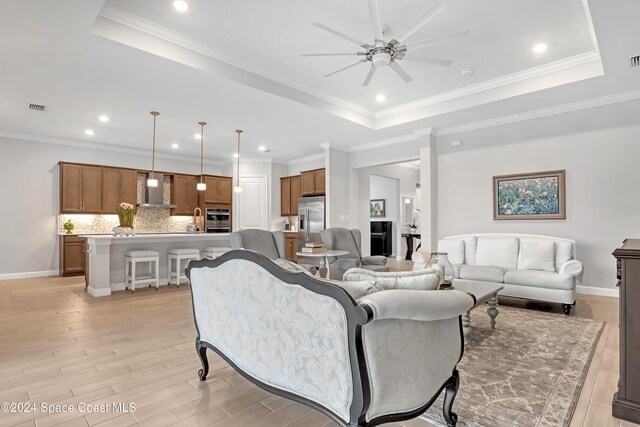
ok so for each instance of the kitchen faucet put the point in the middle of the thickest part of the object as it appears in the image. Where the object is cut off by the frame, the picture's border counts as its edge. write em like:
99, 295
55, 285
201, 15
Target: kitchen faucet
197, 219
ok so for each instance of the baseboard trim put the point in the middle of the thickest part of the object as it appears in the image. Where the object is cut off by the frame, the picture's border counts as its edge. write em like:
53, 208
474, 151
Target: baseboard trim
99, 292
28, 275
604, 292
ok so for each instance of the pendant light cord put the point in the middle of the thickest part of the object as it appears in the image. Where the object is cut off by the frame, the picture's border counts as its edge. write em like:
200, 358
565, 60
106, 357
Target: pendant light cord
201, 150
153, 150
238, 131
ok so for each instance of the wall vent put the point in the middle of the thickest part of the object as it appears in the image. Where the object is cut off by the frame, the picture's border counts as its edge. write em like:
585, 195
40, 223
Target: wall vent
37, 107
634, 61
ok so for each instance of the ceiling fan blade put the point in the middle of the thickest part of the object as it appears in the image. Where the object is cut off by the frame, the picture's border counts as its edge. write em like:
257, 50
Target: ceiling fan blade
426, 60
400, 71
333, 54
370, 74
339, 34
376, 20
345, 68
419, 22
438, 40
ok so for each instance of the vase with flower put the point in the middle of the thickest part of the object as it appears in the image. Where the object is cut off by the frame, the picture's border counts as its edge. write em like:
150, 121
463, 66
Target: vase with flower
126, 214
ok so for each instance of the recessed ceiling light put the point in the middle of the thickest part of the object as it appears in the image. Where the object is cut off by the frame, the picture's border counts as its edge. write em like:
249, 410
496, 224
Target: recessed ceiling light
174, 145
181, 5
235, 155
467, 72
89, 132
540, 47
196, 136
263, 148
381, 98
103, 119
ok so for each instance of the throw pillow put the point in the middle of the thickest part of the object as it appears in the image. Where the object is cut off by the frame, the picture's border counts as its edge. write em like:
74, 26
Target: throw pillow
498, 252
537, 254
454, 249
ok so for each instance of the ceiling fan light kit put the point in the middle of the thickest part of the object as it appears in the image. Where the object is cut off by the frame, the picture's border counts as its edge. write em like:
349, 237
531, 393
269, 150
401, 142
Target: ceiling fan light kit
387, 53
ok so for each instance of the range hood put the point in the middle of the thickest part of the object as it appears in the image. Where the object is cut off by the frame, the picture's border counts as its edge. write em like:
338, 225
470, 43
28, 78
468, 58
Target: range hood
154, 196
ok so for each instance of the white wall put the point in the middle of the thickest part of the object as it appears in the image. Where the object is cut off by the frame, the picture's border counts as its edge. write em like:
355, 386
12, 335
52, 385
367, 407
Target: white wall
388, 189
312, 162
30, 196
338, 192
408, 178
603, 201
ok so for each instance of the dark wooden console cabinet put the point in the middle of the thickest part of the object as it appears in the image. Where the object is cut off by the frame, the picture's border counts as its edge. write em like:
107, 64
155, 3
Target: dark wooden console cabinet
626, 402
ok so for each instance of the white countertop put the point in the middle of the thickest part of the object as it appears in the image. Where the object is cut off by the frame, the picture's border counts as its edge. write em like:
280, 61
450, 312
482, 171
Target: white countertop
104, 238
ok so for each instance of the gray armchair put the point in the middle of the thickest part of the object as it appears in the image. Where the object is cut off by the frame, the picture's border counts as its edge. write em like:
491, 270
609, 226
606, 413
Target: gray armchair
267, 243
343, 239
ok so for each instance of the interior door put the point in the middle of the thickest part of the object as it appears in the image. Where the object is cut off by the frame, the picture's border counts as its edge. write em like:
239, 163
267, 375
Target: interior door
252, 203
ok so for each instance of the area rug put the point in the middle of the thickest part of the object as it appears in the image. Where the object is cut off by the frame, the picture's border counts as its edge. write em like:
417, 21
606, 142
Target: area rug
529, 371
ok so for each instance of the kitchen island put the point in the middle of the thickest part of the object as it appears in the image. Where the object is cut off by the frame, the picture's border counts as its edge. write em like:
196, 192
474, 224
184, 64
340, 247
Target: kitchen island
105, 255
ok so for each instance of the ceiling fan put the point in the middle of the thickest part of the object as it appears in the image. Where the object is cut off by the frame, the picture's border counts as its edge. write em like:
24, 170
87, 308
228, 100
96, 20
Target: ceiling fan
387, 53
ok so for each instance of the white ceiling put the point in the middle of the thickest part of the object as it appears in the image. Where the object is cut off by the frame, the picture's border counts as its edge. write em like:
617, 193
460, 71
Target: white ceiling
237, 65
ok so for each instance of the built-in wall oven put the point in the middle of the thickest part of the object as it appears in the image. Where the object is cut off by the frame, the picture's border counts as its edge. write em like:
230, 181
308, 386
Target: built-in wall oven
217, 220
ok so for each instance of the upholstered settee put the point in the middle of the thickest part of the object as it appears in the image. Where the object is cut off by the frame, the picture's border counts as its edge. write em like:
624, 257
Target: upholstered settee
381, 358
343, 239
530, 266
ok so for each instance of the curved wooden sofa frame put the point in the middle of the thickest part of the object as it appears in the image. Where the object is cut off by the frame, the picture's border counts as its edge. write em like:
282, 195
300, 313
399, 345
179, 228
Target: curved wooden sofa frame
357, 315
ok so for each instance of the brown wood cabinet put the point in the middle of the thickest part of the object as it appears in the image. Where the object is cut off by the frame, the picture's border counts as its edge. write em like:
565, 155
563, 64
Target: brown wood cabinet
80, 188
184, 194
291, 246
290, 192
72, 255
118, 186
626, 402
313, 182
219, 190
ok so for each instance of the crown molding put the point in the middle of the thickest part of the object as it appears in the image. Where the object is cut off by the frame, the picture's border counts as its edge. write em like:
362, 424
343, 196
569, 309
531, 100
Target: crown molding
543, 112
138, 23
289, 87
309, 158
496, 83
104, 147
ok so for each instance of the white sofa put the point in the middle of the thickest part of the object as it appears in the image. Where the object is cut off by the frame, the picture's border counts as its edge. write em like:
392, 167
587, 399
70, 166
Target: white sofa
530, 266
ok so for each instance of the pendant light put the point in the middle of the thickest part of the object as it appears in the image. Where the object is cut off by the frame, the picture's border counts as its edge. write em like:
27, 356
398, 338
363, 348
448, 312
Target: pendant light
238, 188
201, 185
151, 180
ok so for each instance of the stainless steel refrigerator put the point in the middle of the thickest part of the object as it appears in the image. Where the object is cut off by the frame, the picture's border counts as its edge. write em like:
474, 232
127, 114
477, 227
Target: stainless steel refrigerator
311, 219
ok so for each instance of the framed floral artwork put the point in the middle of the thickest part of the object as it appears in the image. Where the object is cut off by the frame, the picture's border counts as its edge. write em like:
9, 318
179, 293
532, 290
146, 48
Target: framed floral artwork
376, 208
539, 195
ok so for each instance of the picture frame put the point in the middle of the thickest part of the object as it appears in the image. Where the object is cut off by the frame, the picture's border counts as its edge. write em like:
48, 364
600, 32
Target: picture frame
529, 196
376, 208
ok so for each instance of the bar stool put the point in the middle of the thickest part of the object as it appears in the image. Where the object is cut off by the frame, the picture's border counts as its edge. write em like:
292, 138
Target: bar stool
176, 256
131, 259
214, 252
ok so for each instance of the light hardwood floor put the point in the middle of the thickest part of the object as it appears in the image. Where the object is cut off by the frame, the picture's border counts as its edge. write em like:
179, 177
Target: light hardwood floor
60, 346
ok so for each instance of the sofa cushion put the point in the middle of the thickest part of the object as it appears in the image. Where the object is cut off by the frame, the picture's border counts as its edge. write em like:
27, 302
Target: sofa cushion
536, 254
485, 273
454, 249
357, 289
564, 253
499, 252
539, 279
417, 279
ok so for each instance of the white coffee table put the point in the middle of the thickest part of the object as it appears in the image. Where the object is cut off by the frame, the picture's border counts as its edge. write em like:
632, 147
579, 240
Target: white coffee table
483, 292
324, 259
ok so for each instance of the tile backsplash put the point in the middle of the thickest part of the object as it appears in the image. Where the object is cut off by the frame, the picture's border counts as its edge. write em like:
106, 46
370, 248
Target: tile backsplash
147, 220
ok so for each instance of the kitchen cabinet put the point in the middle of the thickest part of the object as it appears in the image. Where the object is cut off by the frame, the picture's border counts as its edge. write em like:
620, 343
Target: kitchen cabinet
291, 245
80, 188
219, 190
290, 192
313, 182
118, 186
72, 255
184, 194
